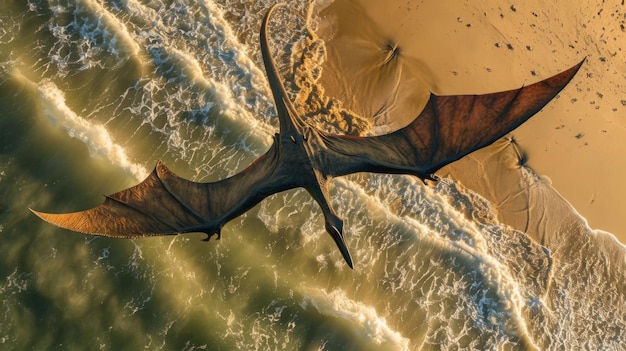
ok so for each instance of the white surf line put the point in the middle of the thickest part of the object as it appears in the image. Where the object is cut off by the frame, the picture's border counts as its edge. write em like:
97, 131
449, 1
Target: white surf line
228, 103
225, 92
94, 136
495, 274
361, 316
231, 104
112, 29
257, 74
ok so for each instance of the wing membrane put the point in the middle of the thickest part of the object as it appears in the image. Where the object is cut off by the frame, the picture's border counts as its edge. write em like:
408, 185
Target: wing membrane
166, 204
448, 128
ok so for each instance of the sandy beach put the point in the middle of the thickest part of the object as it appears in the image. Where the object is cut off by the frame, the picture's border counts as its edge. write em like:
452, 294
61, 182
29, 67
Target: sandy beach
574, 143
94, 93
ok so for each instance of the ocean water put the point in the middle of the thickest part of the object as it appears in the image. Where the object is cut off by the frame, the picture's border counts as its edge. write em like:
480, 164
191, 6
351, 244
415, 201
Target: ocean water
93, 93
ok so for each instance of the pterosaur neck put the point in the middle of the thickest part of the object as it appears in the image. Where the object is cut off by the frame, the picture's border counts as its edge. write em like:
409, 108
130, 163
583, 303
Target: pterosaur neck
288, 118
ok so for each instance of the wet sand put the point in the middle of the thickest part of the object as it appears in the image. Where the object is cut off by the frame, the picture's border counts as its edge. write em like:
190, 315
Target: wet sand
574, 143
436, 269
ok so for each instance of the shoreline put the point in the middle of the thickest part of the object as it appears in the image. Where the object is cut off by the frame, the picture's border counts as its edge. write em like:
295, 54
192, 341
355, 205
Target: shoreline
573, 142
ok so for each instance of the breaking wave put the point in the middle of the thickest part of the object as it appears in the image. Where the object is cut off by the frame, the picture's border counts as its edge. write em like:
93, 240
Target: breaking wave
438, 266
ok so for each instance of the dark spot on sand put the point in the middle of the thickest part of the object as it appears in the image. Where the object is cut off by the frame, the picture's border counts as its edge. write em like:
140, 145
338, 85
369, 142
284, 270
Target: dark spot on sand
393, 51
522, 159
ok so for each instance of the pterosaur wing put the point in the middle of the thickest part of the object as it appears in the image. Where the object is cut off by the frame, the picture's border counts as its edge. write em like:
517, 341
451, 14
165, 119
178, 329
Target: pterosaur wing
166, 204
448, 128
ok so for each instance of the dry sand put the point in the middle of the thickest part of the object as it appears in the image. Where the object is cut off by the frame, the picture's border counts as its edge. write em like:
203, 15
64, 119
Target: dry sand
487, 46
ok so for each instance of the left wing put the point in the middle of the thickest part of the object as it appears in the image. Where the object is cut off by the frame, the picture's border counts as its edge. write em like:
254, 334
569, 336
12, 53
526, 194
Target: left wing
166, 204
448, 128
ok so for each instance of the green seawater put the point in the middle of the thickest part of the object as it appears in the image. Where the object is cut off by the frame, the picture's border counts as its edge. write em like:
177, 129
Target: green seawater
93, 93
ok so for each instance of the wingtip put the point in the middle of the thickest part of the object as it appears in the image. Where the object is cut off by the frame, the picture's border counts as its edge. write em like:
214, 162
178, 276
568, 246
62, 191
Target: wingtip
52, 218
574, 69
560, 80
36, 213
42, 215
579, 65
73, 221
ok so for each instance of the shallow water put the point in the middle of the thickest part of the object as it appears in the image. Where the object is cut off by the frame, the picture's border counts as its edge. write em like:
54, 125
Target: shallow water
93, 93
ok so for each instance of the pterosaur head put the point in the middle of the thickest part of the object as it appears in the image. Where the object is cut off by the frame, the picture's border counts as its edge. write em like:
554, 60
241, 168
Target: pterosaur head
291, 124
335, 229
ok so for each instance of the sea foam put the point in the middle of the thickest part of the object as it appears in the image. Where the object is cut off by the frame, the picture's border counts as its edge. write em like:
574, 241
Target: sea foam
93, 135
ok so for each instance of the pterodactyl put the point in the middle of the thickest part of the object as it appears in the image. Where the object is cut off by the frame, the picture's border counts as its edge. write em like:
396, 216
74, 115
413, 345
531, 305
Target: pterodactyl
448, 128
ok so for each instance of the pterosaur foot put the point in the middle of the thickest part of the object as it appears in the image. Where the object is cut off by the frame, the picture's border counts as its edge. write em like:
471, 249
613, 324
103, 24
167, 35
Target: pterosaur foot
217, 234
432, 177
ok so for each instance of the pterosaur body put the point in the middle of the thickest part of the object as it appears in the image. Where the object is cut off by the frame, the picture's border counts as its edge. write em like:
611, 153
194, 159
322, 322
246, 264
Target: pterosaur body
447, 129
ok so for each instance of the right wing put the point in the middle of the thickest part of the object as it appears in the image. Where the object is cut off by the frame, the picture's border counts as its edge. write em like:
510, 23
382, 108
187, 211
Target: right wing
165, 204
448, 128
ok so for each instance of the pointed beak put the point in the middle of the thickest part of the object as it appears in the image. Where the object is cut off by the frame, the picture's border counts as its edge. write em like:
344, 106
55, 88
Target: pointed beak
337, 236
